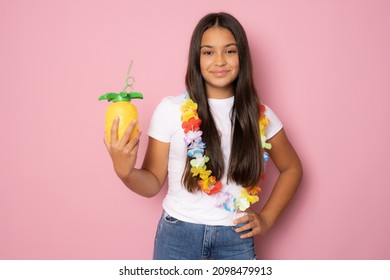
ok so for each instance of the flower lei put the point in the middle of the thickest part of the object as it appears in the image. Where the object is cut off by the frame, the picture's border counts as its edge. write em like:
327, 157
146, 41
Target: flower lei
195, 150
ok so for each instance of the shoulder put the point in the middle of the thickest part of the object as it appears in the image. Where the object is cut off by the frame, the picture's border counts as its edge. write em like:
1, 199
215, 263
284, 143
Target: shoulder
274, 124
169, 106
166, 118
269, 113
172, 101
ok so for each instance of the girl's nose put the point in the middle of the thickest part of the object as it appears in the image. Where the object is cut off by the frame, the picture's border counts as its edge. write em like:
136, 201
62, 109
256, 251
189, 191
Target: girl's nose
220, 60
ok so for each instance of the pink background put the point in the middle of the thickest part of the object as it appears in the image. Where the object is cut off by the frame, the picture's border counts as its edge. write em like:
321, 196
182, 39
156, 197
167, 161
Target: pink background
323, 66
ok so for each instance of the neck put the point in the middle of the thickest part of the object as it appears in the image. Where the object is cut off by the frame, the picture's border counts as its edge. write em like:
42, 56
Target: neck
219, 93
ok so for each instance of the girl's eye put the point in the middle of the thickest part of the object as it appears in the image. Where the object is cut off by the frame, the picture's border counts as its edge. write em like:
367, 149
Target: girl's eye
231, 51
207, 52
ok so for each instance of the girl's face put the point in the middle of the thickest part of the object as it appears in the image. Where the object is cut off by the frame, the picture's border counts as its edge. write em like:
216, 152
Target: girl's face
219, 61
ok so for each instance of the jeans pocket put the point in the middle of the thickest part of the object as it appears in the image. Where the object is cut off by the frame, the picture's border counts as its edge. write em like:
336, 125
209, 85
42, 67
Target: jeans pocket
233, 228
169, 219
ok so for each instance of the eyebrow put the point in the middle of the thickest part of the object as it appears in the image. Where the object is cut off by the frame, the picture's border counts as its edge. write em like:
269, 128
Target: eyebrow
228, 45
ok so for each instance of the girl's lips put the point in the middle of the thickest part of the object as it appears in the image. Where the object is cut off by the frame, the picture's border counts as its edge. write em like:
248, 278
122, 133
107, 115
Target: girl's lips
219, 73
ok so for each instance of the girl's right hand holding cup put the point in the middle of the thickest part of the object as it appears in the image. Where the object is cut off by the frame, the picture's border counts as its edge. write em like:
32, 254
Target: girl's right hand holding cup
123, 151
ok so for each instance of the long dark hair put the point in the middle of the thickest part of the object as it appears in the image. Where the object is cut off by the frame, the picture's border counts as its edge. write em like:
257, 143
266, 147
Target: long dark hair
246, 160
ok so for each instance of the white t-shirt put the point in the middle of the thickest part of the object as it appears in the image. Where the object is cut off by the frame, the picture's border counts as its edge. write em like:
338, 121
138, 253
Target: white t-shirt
166, 127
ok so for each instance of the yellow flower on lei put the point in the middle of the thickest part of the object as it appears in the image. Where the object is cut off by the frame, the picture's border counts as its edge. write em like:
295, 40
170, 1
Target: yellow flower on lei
206, 183
245, 200
201, 171
189, 110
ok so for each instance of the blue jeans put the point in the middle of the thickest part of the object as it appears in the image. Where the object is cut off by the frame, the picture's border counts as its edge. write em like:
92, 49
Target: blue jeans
178, 240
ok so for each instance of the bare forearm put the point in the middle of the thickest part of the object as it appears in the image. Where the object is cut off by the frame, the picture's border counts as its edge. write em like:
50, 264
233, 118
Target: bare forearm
282, 193
142, 182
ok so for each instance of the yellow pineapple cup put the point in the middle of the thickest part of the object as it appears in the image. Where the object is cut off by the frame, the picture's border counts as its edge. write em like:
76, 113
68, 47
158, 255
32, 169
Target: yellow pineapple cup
122, 108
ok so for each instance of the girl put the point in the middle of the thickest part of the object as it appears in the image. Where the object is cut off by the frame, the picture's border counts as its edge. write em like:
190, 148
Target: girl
212, 143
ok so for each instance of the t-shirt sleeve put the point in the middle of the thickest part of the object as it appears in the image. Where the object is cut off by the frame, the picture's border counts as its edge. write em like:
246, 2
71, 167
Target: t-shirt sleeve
274, 126
160, 124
